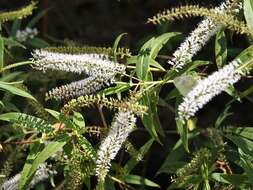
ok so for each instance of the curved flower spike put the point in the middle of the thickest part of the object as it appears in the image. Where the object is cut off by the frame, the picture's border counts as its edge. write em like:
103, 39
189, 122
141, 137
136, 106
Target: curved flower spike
208, 88
200, 36
121, 127
99, 67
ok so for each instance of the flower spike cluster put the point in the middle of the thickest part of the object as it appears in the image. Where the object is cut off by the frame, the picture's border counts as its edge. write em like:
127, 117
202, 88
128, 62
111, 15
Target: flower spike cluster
99, 67
121, 127
200, 36
208, 88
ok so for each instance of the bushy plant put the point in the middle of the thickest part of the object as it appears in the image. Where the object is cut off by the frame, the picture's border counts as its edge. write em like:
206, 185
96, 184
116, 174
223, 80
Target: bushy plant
127, 90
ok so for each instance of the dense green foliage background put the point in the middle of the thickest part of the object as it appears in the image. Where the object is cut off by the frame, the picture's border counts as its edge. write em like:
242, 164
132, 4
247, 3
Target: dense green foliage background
98, 23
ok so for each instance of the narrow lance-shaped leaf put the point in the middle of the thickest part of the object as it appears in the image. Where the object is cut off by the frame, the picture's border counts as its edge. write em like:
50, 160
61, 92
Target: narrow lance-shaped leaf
41, 157
27, 121
115, 46
246, 163
88, 149
14, 90
248, 13
221, 49
1, 52
35, 149
130, 165
138, 180
235, 179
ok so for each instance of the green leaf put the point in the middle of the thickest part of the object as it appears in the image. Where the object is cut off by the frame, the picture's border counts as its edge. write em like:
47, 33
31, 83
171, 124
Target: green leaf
246, 92
10, 76
79, 120
178, 152
88, 148
142, 65
9, 106
116, 44
54, 113
35, 19
155, 64
243, 143
27, 121
12, 116
221, 53
221, 49
129, 166
109, 184
41, 157
14, 65
148, 53
223, 115
245, 132
160, 41
37, 43
15, 27
14, 90
116, 89
35, 149
246, 56
151, 119
171, 74
1, 52
172, 163
183, 132
138, 180
248, 13
67, 121
246, 163
205, 176
9, 42
235, 179
184, 83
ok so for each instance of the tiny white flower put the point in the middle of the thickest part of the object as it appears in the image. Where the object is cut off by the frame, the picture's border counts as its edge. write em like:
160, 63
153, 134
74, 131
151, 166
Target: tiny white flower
28, 33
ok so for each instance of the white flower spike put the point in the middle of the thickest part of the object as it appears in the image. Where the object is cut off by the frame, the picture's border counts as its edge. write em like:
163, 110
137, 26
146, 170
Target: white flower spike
206, 89
79, 88
90, 64
121, 127
99, 67
199, 37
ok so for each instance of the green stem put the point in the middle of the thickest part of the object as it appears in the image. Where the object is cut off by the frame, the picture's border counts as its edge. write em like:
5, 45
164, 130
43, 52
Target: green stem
15, 65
